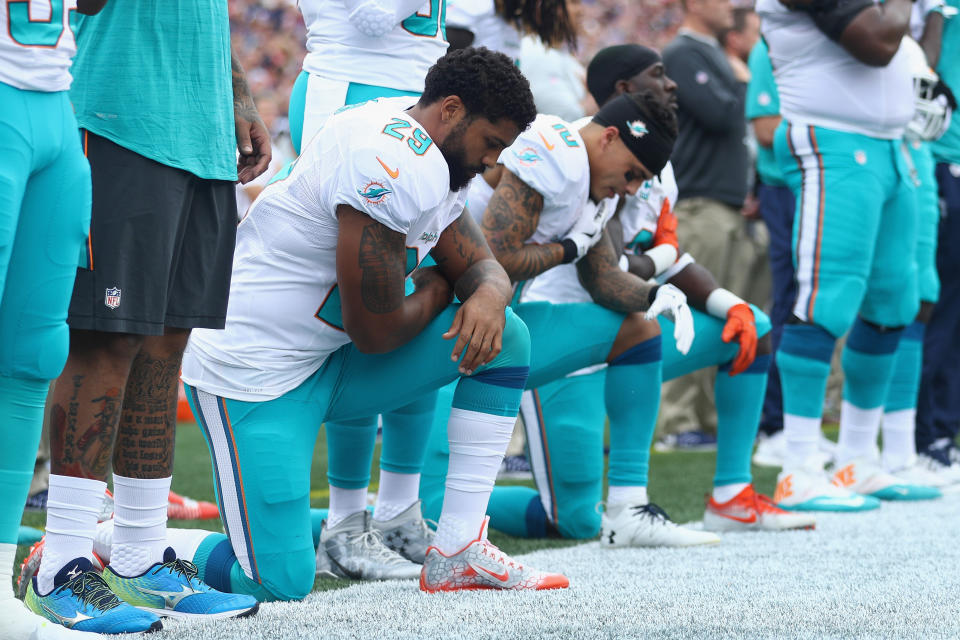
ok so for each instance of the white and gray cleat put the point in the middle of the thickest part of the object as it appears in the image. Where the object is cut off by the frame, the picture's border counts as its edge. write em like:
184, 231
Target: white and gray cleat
647, 525
408, 533
354, 549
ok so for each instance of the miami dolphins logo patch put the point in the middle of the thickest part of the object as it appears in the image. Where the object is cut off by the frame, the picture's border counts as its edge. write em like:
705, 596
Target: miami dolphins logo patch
374, 192
528, 156
637, 128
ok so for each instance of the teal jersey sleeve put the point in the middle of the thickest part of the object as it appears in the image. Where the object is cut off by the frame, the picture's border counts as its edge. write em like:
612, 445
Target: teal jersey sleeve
762, 96
947, 148
154, 76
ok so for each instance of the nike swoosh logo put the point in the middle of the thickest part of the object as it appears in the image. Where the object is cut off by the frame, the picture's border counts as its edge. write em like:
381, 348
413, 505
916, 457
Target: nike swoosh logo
749, 520
547, 144
900, 490
171, 598
500, 577
69, 623
393, 173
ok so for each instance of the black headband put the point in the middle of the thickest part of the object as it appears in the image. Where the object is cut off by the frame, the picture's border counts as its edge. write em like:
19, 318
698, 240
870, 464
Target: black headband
647, 139
619, 62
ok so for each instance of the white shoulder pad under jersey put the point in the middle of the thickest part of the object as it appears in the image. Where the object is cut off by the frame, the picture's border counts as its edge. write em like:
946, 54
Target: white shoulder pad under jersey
640, 212
284, 318
398, 59
37, 44
551, 159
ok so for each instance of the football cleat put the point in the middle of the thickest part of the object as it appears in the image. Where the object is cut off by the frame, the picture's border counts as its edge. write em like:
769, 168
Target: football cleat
808, 489
939, 466
771, 450
354, 549
481, 565
82, 600
867, 478
751, 511
408, 533
647, 525
184, 508
172, 589
19, 623
31, 565
686, 441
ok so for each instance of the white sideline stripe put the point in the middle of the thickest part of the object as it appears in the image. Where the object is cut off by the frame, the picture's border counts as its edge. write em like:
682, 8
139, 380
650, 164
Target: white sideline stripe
538, 458
809, 212
210, 408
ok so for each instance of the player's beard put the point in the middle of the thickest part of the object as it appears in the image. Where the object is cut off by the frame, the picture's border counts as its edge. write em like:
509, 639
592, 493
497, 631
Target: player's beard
455, 153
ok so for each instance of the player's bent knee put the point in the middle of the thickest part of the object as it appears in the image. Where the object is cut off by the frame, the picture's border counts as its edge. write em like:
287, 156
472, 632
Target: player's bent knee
515, 351
289, 576
636, 328
579, 523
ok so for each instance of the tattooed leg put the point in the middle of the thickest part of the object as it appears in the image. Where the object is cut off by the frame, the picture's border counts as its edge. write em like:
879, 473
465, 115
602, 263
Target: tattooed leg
148, 421
85, 407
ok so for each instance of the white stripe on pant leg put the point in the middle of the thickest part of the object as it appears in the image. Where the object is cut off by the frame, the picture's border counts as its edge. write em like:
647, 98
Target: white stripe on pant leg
809, 212
538, 458
229, 491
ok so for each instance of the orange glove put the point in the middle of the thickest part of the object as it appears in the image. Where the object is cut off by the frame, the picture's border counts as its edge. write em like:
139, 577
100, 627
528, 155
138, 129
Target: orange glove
666, 232
740, 327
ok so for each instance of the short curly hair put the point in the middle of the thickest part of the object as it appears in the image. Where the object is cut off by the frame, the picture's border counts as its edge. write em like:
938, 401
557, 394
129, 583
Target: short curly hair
489, 84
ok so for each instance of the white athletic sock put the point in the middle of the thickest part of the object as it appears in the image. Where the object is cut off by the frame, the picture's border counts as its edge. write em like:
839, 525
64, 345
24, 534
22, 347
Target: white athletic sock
477, 444
73, 506
802, 439
727, 492
899, 443
345, 503
397, 492
618, 496
8, 553
139, 523
858, 432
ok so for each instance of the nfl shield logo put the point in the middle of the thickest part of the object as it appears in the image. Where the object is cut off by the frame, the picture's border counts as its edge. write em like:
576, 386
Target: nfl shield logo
112, 299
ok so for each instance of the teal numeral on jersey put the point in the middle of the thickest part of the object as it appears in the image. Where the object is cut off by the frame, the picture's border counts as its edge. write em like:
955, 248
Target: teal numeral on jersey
565, 134
419, 142
393, 128
427, 26
34, 33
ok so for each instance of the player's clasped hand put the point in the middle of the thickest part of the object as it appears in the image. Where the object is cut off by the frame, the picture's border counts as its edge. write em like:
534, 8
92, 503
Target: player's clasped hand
478, 327
588, 228
741, 327
671, 302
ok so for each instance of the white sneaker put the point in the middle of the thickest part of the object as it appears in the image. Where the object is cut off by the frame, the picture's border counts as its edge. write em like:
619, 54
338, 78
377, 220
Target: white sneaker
353, 549
949, 474
408, 533
772, 449
481, 565
751, 511
647, 525
915, 473
807, 489
865, 476
19, 623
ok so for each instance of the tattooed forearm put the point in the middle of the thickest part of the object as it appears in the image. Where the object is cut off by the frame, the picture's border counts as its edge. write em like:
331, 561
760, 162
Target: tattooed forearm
508, 223
82, 432
381, 262
608, 285
145, 438
243, 104
485, 272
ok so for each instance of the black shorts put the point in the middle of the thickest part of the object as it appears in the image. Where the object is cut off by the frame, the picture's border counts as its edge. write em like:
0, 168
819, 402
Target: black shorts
160, 250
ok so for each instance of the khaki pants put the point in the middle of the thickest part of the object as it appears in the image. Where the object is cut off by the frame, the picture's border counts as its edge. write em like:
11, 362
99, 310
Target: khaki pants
734, 250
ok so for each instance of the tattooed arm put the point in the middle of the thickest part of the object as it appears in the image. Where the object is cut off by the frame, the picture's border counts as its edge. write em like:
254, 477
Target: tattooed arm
371, 264
609, 286
253, 139
481, 284
509, 221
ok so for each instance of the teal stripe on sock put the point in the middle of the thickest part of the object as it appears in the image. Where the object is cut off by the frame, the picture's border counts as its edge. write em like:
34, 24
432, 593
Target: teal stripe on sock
739, 401
21, 408
509, 509
866, 377
632, 397
804, 383
905, 380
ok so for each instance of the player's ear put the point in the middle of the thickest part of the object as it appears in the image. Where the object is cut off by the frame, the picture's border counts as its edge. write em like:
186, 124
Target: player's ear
609, 134
451, 109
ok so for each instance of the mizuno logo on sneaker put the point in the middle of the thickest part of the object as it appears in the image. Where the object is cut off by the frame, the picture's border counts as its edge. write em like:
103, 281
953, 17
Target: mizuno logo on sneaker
65, 621
171, 598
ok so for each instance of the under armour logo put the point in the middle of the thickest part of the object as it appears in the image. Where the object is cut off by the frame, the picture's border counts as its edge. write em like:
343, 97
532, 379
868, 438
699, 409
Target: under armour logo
610, 537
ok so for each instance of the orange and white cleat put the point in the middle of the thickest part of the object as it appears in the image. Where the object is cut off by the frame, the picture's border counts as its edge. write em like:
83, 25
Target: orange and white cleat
481, 565
751, 511
184, 508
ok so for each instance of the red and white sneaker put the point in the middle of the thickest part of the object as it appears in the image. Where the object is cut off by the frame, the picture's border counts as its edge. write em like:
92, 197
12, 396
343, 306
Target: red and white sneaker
184, 508
481, 565
751, 511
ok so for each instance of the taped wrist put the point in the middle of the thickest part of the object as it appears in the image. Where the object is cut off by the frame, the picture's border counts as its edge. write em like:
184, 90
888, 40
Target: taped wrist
570, 250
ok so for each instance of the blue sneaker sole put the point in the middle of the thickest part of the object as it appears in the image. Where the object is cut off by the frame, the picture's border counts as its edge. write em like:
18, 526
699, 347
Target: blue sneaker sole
908, 492
867, 503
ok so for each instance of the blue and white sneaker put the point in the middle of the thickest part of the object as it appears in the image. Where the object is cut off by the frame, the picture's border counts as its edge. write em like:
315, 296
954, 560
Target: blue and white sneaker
171, 588
866, 477
81, 600
808, 489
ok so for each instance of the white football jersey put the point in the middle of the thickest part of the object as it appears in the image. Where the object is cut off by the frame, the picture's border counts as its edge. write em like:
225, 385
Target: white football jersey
489, 29
283, 318
399, 59
37, 44
821, 84
640, 212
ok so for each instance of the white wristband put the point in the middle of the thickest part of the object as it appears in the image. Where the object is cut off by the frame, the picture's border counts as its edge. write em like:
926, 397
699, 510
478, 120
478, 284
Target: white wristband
719, 302
663, 256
